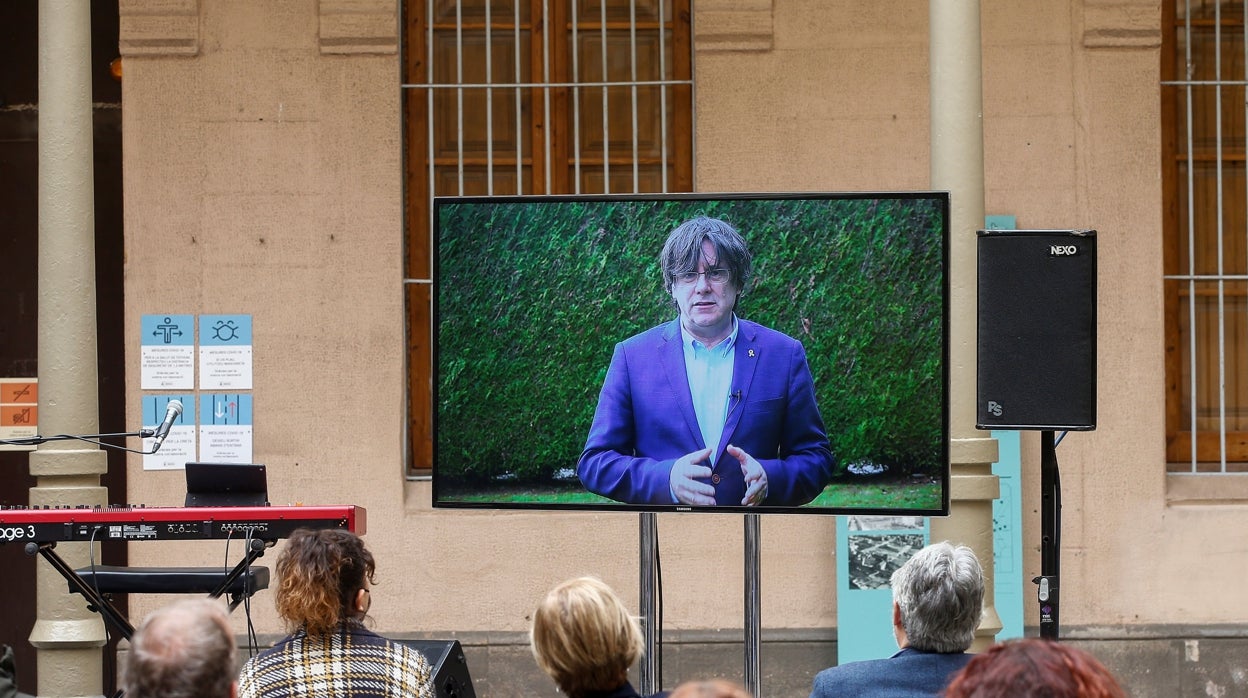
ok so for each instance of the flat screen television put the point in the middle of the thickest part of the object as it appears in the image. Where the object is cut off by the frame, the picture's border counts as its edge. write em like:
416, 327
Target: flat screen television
568, 351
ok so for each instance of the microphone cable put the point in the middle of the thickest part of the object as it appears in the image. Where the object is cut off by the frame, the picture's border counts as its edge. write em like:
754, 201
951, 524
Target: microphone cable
252, 642
251, 630
658, 611
111, 657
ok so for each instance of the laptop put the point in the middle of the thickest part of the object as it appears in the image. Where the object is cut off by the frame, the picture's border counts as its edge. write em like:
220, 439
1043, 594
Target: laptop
226, 485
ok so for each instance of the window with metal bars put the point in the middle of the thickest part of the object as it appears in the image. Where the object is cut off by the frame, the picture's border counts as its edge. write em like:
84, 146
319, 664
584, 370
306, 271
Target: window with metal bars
506, 97
1205, 235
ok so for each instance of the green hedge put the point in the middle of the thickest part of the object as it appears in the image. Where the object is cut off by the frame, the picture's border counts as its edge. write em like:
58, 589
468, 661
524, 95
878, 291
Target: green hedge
531, 298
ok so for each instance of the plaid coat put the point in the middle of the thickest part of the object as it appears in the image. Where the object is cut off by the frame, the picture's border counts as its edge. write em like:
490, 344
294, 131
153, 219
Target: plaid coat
352, 661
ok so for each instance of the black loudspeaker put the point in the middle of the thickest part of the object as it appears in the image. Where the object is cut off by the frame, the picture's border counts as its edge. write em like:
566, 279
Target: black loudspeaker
1036, 365
450, 668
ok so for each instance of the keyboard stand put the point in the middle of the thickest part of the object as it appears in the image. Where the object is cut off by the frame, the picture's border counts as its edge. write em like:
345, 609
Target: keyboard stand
98, 582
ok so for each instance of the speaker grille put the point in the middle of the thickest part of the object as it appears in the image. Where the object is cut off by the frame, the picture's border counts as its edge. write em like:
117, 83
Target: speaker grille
1036, 360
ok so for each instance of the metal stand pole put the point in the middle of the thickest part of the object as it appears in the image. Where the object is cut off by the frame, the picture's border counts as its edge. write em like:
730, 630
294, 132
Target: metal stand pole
1050, 536
649, 608
753, 681
648, 554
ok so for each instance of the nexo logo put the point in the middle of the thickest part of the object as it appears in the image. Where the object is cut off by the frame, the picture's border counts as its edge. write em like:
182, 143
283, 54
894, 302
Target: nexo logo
1063, 250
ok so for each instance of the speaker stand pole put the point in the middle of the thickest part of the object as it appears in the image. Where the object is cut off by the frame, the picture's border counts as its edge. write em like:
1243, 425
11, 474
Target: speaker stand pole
1050, 536
647, 527
753, 615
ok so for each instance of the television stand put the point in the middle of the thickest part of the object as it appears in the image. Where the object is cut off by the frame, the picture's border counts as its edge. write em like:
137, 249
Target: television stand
649, 552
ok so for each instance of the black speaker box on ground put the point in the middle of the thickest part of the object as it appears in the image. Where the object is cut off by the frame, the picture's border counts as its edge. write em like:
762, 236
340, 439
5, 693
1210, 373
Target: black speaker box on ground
1036, 363
450, 668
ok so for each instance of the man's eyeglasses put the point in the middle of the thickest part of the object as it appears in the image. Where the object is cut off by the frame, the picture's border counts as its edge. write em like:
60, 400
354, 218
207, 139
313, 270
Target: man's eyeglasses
714, 276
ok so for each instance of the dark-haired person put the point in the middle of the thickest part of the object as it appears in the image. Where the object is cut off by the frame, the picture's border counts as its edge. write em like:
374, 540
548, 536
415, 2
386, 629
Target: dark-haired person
708, 409
585, 639
938, 598
324, 593
185, 649
1034, 668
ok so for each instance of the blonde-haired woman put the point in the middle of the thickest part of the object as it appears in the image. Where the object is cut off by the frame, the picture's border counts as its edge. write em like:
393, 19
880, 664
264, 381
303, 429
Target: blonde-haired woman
585, 639
324, 593
710, 688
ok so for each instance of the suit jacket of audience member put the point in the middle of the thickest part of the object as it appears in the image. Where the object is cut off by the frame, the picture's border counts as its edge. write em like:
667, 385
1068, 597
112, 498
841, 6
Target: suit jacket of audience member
625, 691
645, 420
910, 673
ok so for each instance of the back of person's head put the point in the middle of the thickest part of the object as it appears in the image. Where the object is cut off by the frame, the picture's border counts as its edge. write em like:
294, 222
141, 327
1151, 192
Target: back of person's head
321, 575
683, 250
584, 637
183, 650
1034, 668
711, 688
940, 594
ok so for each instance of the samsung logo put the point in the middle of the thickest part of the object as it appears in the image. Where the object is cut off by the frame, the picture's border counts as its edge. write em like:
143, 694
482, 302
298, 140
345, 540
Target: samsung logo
1063, 250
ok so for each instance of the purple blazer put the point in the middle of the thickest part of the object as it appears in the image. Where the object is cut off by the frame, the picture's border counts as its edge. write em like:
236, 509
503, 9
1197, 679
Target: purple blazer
645, 421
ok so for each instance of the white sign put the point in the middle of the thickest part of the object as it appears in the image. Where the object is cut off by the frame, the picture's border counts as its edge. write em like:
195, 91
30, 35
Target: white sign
225, 352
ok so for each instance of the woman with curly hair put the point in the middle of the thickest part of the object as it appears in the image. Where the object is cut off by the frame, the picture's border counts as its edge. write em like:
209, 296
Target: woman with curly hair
1034, 668
324, 593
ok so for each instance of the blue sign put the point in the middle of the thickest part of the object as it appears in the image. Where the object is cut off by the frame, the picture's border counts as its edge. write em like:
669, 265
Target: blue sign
224, 330
155, 407
167, 330
225, 409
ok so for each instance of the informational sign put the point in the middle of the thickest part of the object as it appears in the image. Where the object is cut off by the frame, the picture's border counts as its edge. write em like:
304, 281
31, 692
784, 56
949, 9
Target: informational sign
868, 550
225, 428
19, 411
1007, 535
225, 352
179, 445
167, 352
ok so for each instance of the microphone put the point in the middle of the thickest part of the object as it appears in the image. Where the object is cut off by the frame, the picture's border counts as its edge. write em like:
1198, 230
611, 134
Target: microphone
736, 395
171, 413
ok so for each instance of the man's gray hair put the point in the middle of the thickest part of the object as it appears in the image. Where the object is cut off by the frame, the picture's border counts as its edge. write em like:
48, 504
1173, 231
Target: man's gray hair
183, 650
940, 592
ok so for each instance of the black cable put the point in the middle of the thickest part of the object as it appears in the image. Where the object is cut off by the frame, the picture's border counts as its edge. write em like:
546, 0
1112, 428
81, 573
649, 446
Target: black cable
658, 591
67, 437
1057, 517
252, 641
1057, 504
95, 583
228, 536
95, 579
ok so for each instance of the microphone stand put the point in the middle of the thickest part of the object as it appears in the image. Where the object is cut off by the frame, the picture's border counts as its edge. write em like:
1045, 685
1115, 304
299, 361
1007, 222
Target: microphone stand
1050, 537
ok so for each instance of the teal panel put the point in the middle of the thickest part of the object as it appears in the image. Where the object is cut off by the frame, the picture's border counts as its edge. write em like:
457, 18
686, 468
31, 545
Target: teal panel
1007, 535
1000, 223
868, 549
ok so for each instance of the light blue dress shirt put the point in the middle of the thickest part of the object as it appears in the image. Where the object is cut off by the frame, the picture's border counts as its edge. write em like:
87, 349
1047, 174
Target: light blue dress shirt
710, 384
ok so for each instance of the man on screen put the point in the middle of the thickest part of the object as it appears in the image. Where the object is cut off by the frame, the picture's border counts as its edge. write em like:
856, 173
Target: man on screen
708, 409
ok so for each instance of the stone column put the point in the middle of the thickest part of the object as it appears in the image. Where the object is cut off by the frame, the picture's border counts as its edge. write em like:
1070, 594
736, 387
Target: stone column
958, 167
67, 635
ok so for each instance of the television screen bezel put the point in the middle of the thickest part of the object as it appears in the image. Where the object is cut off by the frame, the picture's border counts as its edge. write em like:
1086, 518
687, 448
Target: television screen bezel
942, 197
